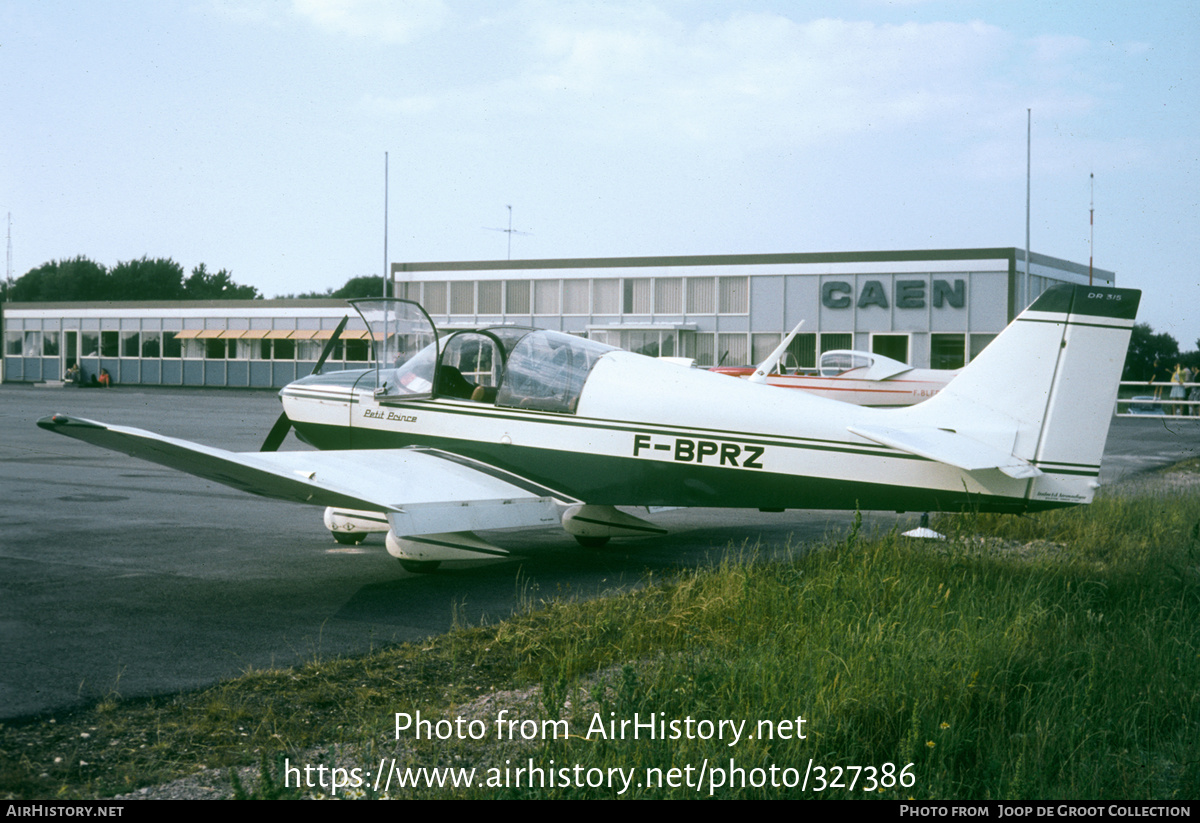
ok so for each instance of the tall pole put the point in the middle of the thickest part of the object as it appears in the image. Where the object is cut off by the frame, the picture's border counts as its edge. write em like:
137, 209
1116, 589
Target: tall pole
8, 281
1028, 177
1091, 225
386, 273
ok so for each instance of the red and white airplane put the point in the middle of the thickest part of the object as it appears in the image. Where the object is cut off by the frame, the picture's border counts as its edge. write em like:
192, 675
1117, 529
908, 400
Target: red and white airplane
859, 377
506, 427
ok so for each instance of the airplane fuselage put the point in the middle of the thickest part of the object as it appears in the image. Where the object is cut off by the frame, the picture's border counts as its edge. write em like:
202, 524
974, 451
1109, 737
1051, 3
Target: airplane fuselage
650, 433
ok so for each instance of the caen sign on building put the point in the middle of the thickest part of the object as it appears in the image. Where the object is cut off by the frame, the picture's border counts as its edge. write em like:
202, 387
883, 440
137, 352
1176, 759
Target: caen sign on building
908, 294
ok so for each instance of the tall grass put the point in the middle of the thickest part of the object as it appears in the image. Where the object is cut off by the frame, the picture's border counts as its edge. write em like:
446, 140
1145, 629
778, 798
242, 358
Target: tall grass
1065, 665
1053, 657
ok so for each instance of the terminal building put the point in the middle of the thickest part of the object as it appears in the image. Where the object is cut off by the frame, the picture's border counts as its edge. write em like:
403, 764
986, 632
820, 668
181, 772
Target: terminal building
933, 308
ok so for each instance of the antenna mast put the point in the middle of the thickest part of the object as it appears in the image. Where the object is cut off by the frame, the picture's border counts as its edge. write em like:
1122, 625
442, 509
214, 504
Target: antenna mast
8, 270
510, 231
386, 273
1091, 226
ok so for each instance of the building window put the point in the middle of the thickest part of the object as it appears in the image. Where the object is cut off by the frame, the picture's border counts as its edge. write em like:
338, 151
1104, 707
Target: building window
979, 342
701, 295
152, 344
545, 296
14, 345
216, 348
434, 297
50, 343
761, 346
462, 297
491, 297
894, 346
838, 340
131, 345
649, 342
309, 350
735, 295
171, 346
698, 345
668, 295
516, 297
947, 351
575, 296
110, 344
637, 295
733, 350
33, 344
606, 296
801, 352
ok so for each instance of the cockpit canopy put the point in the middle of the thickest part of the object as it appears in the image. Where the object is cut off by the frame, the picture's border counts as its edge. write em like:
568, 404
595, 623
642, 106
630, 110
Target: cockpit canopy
509, 366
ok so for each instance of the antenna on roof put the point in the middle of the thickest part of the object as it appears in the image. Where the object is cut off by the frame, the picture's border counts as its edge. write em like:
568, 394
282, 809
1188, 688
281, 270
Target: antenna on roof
510, 231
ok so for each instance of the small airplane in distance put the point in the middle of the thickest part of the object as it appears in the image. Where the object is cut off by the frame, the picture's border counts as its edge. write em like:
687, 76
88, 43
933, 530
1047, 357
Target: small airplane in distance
859, 377
508, 427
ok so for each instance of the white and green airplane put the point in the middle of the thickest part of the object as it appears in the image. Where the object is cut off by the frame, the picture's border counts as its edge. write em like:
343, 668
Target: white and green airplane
506, 427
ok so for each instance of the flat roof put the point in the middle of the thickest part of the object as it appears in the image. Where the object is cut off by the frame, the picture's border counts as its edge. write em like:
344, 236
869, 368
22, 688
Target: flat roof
1000, 258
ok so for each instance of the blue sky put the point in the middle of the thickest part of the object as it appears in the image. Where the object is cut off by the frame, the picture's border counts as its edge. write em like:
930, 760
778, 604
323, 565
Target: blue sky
250, 135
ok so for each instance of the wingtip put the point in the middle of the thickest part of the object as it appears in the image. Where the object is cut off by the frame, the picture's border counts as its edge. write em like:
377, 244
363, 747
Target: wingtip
57, 421
52, 422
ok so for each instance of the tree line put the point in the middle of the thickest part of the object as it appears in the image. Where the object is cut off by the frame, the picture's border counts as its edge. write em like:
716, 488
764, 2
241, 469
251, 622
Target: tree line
82, 279
1154, 355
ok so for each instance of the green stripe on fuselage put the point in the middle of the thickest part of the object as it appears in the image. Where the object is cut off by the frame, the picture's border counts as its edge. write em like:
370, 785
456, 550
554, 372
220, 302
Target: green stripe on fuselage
629, 481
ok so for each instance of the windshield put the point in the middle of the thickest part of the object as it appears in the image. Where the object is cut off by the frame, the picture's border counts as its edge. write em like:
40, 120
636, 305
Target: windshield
405, 343
413, 375
838, 362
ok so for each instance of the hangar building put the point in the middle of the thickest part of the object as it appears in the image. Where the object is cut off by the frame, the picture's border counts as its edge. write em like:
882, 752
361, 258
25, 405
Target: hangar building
935, 308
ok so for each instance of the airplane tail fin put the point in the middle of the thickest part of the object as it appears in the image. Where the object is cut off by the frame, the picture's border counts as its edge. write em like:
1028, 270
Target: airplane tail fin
1040, 396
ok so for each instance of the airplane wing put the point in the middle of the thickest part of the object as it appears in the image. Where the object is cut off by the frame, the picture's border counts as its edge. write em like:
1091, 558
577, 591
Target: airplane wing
423, 491
949, 447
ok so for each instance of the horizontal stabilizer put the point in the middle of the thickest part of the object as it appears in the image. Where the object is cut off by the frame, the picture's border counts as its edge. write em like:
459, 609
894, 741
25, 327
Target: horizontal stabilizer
949, 447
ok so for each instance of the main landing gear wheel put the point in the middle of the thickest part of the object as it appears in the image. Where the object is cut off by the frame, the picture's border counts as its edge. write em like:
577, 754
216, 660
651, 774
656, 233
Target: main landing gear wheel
349, 538
591, 542
420, 566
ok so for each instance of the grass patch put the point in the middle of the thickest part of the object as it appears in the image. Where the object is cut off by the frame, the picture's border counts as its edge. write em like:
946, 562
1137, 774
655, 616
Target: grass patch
1047, 657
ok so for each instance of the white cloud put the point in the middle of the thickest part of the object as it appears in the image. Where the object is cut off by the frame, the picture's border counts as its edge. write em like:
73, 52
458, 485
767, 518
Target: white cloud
382, 20
757, 78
